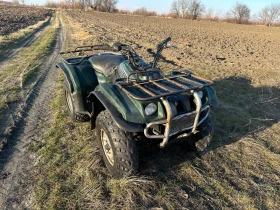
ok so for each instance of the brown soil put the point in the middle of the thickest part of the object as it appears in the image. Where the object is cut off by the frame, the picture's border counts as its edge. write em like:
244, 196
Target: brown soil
13, 18
216, 49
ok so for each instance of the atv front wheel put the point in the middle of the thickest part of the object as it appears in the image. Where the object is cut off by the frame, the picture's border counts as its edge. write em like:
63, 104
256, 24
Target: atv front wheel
203, 138
70, 105
117, 148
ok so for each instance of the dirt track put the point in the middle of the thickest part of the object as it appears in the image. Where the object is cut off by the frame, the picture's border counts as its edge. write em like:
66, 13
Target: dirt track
30, 124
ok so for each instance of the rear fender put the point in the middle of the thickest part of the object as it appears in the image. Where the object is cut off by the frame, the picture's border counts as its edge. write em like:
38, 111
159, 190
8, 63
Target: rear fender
79, 103
67, 75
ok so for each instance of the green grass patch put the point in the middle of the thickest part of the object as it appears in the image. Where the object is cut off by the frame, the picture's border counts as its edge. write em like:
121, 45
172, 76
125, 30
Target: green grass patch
37, 54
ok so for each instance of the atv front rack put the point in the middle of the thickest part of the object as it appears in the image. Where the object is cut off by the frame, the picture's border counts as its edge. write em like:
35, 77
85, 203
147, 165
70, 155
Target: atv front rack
166, 86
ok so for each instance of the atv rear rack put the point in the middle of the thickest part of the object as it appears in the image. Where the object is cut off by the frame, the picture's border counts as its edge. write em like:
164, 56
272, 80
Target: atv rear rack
169, 85
81, 50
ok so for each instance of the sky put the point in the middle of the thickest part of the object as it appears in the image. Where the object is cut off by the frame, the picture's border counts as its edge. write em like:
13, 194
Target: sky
163, 6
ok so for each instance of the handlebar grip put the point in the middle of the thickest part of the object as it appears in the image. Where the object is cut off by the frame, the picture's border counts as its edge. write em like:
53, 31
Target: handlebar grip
118, 46
164, 42
168, 39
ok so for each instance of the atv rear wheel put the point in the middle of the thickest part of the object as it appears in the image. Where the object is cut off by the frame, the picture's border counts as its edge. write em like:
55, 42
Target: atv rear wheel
70, 105
203, 138
117, 147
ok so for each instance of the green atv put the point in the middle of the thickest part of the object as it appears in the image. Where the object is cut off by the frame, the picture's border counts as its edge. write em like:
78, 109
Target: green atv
123, 97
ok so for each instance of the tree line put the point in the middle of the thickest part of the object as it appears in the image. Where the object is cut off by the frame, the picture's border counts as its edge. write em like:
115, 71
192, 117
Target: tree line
240, 13
189, 9
98, 5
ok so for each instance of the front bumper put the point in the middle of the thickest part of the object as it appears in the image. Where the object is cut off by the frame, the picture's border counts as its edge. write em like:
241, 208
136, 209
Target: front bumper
180, 123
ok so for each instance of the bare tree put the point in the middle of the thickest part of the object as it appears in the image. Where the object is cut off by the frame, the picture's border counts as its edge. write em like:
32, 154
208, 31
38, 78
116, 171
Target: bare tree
187, 8
86, 3
109, 5
175, 8
100, 5
70, 2
184, 6
195, 9
97, 4
270, 14
241, 13
180, 7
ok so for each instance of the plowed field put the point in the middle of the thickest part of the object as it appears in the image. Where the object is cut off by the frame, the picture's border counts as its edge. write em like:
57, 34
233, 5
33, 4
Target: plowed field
13, 18
219, 49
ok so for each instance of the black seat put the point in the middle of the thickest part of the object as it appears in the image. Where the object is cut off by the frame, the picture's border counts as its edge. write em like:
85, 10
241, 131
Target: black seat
105, 63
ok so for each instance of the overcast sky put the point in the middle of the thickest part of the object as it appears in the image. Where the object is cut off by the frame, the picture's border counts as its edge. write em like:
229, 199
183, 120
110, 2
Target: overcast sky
163, 6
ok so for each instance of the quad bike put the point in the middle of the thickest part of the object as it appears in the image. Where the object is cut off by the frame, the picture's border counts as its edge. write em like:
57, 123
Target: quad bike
122, 96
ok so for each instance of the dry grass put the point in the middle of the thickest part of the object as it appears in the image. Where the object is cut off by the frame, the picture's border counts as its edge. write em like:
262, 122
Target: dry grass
241, 169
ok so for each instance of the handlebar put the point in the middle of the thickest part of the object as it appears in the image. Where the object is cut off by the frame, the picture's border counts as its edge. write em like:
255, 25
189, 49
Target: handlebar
160, 47
164, 42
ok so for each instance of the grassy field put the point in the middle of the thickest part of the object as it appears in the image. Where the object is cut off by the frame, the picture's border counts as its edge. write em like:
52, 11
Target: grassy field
241, 169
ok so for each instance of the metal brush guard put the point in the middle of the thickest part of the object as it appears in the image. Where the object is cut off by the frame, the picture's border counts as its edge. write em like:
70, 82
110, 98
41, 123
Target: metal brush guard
162, 88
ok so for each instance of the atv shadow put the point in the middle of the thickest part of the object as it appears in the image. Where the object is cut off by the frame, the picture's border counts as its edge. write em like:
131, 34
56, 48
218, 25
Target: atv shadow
244, 109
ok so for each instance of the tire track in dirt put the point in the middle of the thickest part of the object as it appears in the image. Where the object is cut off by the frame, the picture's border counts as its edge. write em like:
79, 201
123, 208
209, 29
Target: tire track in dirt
11, 114
34, 120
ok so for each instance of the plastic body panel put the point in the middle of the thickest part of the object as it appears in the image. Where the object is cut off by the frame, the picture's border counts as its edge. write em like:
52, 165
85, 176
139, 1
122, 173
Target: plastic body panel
82, 80
131, 110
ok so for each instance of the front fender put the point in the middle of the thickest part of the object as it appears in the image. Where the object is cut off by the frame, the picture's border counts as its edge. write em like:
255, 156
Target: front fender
212, 97
131, 109
115, 114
